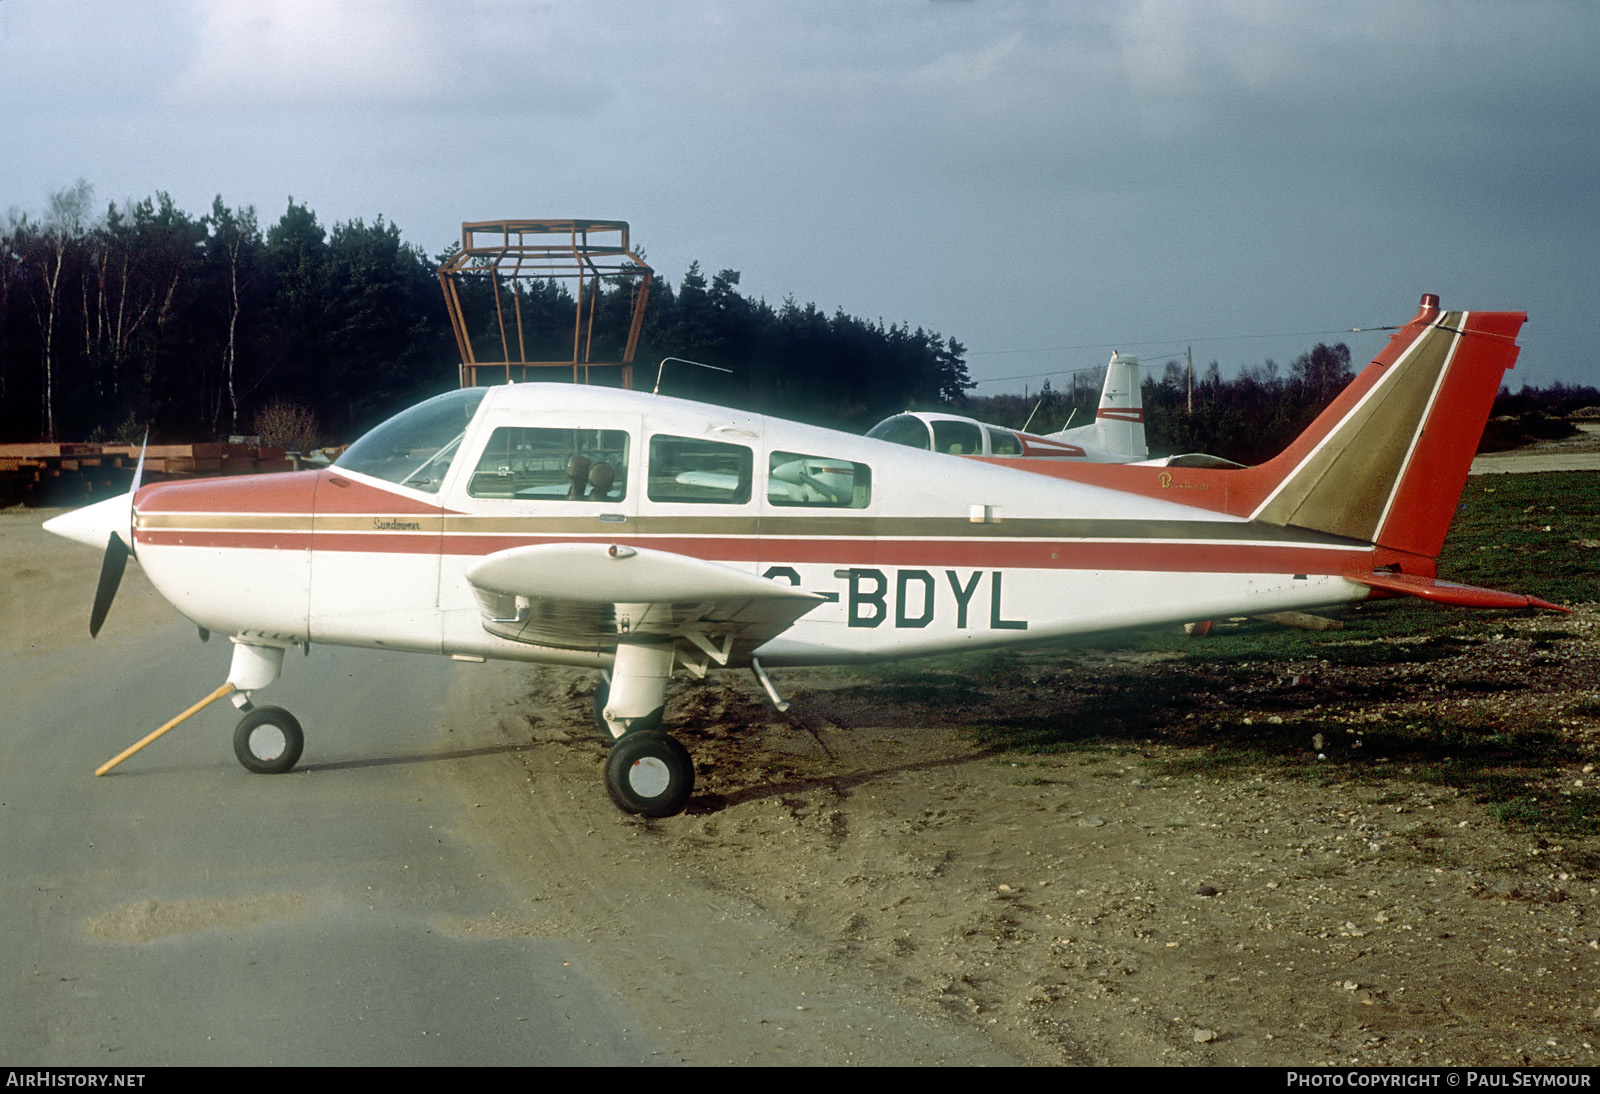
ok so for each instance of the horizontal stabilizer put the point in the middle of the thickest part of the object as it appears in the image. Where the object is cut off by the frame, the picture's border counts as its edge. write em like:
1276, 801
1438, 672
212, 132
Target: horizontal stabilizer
1448, 592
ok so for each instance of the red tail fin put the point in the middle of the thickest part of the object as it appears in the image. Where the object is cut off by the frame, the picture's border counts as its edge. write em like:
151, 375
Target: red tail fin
1386, 462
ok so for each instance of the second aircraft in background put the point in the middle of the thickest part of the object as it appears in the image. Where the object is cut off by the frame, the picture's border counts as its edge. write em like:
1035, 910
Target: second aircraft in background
1115, 436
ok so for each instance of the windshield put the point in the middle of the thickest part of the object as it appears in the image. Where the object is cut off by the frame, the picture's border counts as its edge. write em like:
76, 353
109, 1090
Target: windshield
415, 447
906, 429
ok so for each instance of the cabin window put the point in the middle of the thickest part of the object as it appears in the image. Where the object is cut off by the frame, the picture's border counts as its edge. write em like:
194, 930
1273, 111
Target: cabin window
553, 465
795, 479
687, 469
906, 429
957, 438
1003, 442
416, 447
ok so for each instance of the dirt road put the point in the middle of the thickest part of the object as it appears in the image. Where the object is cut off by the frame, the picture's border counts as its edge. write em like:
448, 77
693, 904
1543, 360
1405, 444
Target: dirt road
1121, 903
428, 887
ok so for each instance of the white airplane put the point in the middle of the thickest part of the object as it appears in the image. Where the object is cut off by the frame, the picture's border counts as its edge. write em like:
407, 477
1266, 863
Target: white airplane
1115, 436
639, 535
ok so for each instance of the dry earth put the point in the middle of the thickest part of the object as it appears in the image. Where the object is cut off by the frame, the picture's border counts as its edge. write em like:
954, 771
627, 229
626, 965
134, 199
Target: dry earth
1125, 902
1105, 905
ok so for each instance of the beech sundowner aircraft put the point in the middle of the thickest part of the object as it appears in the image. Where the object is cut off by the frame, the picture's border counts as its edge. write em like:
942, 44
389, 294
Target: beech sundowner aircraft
1115, 436
638, 535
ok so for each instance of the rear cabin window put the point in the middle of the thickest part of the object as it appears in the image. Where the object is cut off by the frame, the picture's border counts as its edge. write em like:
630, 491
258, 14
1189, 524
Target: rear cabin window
687, 469
553, 465
1003, 442
957, 438
818, 481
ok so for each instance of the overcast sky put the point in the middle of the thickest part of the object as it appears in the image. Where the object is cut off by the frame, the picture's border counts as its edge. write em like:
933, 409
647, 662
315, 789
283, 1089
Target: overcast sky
1042, 181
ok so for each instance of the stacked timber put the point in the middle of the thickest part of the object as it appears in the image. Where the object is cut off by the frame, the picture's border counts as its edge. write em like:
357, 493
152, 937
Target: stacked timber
78, 473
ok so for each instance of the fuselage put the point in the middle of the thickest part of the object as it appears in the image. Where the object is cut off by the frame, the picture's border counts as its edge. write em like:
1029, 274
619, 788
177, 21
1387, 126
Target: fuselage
913, 552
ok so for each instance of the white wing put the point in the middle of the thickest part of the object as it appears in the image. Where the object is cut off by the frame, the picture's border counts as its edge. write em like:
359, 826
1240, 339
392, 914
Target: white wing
593, 595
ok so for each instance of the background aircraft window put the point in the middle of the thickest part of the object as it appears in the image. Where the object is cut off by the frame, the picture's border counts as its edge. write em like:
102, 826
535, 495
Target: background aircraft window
691, 470
553, 465
906, 429
1003, 442
415, 447
794, 479
957, 438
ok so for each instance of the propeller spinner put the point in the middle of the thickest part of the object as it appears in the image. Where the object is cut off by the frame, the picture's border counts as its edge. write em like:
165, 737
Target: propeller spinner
107, 524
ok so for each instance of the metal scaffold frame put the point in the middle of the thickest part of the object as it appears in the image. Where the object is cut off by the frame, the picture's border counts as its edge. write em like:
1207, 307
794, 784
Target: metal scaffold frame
510, 253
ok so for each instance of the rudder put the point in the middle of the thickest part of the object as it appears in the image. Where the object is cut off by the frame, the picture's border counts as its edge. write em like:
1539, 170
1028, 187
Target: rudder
1392, 467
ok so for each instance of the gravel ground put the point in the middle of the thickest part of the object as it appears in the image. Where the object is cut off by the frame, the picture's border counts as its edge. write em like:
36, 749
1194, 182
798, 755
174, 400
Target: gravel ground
1152, 893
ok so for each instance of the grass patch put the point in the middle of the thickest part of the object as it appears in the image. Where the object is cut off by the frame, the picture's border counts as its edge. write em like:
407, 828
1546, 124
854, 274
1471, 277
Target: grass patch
1508, 770
1517, 532
1525, 532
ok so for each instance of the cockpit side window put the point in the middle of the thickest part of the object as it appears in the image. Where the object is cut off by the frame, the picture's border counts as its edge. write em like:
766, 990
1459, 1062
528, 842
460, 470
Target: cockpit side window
688, 469
416, 447
795, 479
552, 465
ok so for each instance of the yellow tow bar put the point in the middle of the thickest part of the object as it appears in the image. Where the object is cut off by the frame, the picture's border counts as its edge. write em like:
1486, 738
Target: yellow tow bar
196, 709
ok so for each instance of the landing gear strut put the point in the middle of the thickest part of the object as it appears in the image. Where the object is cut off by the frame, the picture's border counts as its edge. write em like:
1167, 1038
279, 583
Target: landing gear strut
648, 772
602, 695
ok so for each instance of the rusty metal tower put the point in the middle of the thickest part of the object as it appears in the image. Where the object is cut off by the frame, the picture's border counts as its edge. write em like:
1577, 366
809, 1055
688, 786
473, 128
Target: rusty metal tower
512, 254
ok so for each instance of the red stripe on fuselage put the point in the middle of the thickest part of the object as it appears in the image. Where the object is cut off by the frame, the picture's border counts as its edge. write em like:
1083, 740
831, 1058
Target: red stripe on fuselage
1158, 556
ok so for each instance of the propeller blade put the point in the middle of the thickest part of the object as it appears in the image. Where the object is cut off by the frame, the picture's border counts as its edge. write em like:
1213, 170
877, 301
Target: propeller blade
138, 469
111, 567
116, 556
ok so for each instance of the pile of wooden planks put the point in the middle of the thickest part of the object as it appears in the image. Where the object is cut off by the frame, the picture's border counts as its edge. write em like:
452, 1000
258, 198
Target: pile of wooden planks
77, 473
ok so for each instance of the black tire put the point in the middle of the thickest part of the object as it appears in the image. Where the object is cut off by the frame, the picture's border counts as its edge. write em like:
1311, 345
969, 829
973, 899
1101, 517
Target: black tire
649, 774
602, 694
268, 741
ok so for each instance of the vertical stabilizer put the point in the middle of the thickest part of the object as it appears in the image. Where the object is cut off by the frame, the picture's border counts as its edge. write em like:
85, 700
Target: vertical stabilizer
1119, 422
1386, 462
1117, 435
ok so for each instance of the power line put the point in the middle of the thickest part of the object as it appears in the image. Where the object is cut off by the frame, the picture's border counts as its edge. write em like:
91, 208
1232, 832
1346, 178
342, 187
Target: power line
1179, 342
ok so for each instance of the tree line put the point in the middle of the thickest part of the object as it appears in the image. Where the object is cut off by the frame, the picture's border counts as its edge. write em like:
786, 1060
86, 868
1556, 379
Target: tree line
1254, 416
145, 316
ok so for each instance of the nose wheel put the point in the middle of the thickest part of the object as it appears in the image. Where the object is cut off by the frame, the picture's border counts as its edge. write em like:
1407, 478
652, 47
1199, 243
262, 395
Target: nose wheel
268, 740
649, 774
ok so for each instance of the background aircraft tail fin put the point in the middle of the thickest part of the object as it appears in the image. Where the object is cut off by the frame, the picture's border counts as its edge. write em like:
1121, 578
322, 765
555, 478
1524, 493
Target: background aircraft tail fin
1387, 460
1119, 421
1118, 427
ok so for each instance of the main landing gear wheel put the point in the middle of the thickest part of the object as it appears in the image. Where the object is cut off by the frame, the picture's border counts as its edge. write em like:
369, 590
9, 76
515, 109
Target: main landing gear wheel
268, 740
650, 774
602, 695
